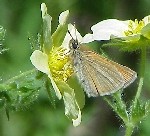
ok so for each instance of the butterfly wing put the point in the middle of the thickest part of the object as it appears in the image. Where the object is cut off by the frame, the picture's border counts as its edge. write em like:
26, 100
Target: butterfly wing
128, 74
97, 74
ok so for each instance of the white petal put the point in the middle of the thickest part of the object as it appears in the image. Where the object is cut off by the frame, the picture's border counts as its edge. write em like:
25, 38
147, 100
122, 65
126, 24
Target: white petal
88, 38
58, 94
43, 9
63, 17
74, 33
66, 41
77, 121
71, 107
104, 29
146, 20
106, 34
40, 61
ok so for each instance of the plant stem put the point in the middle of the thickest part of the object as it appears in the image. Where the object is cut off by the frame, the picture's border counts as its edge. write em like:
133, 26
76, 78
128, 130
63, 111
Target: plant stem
119, 107
129, 129
129, 125
142, 72
139, 89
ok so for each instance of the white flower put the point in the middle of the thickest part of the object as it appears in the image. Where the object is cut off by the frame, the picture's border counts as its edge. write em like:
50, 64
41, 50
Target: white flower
107, 29
63, 17
40, 61
53, 61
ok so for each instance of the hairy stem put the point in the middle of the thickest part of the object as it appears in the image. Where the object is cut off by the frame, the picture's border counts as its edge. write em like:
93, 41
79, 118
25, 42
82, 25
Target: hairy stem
129, 129
142, 71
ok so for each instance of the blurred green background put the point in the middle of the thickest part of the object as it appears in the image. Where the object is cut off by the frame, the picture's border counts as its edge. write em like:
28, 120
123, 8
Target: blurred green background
22, 20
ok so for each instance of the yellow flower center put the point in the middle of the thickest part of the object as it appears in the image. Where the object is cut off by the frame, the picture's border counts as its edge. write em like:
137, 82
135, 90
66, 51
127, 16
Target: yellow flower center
134, 27
59, 64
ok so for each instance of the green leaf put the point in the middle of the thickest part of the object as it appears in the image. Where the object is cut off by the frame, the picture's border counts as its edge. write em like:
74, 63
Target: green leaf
129, 44
120, 106
2, 101
20, 91
7, 112
140, 111
2, 33
2, 38
146, 31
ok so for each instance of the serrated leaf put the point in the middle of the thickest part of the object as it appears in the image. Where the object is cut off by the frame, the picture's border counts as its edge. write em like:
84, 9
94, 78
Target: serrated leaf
2, 38
120, 106
130, 44
2, 33
139, 111
22, 91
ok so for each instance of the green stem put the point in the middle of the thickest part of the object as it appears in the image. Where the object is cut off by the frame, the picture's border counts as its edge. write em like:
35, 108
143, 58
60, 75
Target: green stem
119, 107
142, 71
129, 129
122, 114
139, 89
129, 125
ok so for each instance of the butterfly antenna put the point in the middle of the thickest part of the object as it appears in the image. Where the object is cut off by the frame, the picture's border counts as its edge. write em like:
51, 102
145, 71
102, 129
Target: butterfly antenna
70, 34
75, 31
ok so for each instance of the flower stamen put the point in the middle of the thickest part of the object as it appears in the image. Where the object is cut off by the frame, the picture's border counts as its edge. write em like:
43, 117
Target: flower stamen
59, 64
134, 27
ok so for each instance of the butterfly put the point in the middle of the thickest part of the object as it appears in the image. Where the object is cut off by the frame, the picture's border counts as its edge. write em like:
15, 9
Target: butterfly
97, 74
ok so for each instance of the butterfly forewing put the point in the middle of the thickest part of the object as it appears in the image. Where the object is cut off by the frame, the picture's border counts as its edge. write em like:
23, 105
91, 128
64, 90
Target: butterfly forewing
128, 74
104, 82
96, 76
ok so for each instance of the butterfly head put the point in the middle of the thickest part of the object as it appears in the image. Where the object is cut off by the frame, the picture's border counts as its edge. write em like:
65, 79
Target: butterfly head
74, 44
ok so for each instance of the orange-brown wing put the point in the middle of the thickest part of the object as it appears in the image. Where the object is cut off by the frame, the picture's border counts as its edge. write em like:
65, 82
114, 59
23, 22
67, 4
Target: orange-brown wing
128, 74
96, 75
